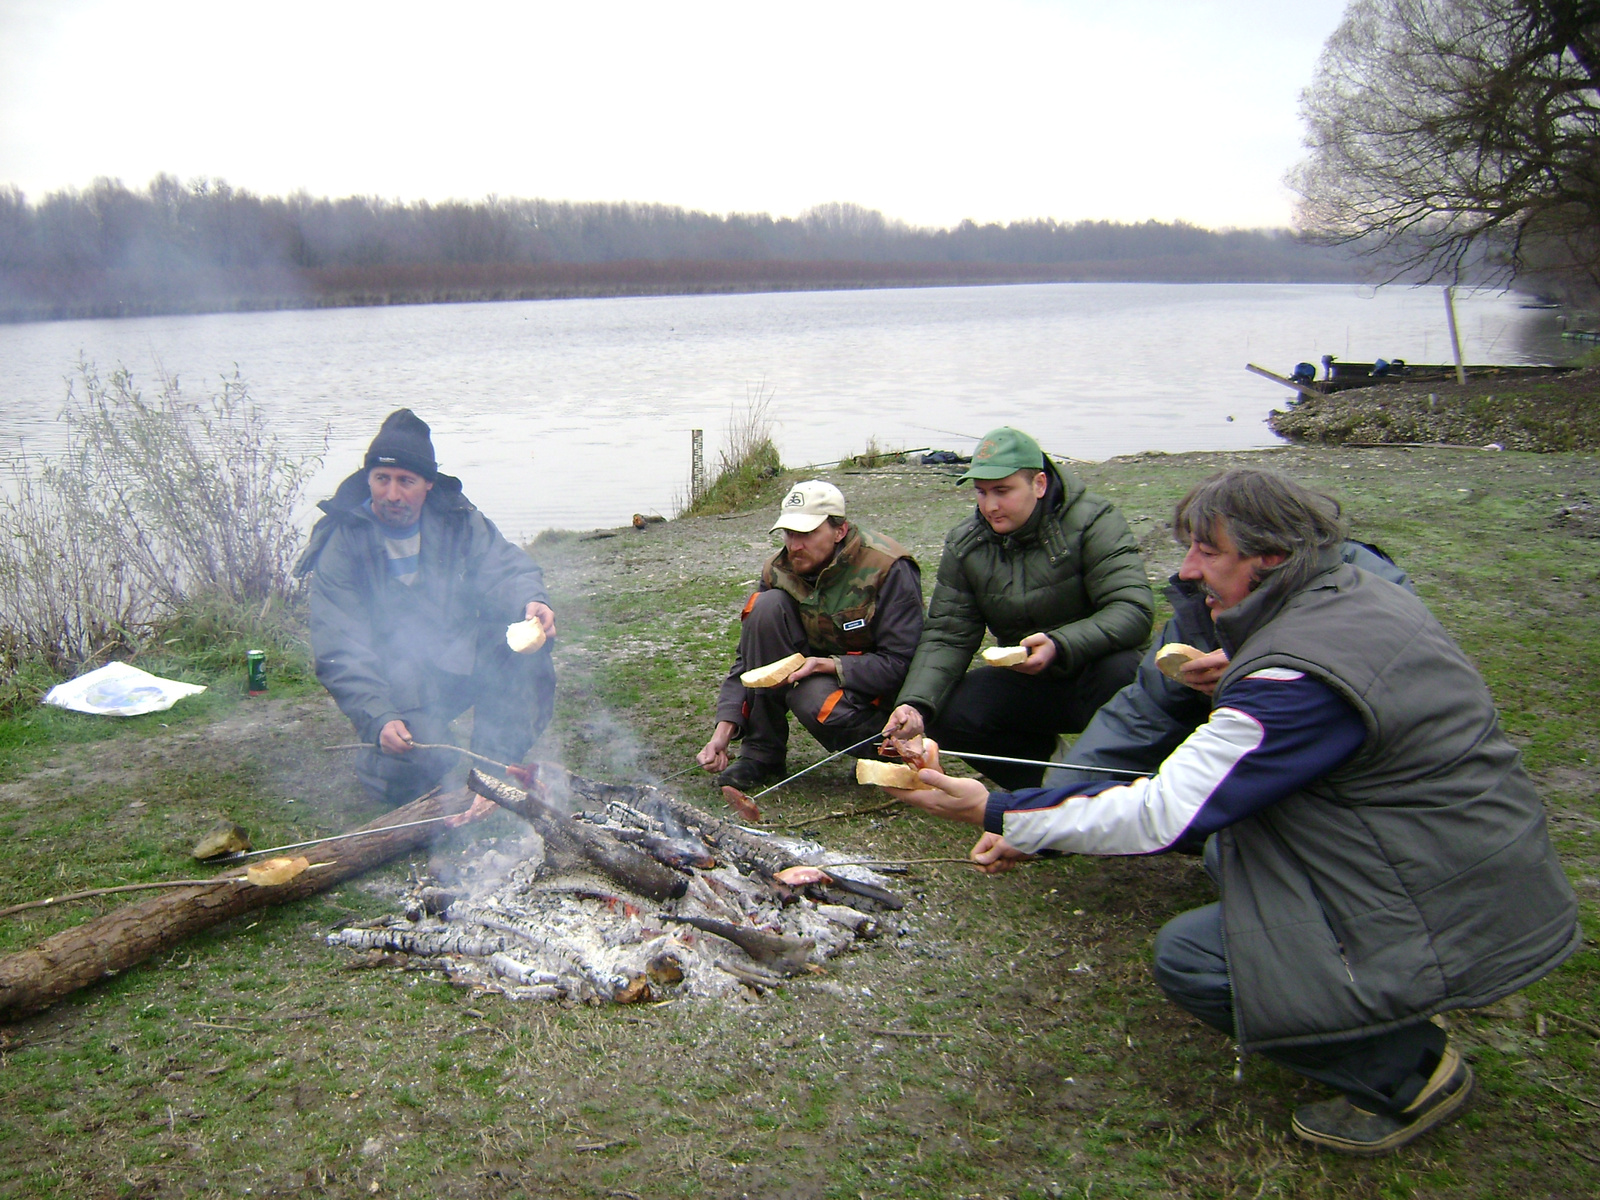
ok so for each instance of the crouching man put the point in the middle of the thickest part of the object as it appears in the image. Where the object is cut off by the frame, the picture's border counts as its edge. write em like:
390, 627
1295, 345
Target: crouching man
1046, 565
850, 600
1380, 852
412, 593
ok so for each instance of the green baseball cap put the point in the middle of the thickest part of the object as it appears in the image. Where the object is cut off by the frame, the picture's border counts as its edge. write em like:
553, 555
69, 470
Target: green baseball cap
1003, 452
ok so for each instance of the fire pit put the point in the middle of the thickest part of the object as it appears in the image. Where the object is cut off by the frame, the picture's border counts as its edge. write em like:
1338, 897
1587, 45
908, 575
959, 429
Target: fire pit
625, 894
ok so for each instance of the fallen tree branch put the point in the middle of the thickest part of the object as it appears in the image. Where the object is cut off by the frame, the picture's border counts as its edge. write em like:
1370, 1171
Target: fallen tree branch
31, 980
107, 891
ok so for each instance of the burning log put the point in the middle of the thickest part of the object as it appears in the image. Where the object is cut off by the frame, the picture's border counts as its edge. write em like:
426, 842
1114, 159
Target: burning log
31, 980
728, 839
632, 868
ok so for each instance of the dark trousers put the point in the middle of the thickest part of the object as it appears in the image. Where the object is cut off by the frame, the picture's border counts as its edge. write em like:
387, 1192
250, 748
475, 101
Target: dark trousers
1382, 1073
995, 710
512, 697
837, 717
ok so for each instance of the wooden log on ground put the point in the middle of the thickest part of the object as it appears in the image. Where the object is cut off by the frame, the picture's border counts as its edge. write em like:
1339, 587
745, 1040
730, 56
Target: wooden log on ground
31, 980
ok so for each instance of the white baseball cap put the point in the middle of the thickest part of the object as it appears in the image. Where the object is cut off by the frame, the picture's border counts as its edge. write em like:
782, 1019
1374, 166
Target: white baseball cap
808, 505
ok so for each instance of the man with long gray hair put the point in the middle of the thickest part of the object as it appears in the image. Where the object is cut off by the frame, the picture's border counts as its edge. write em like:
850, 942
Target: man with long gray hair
1382, 856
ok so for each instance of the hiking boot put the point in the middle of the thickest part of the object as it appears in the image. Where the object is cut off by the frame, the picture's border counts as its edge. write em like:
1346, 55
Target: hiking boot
748, 773
1340, 1125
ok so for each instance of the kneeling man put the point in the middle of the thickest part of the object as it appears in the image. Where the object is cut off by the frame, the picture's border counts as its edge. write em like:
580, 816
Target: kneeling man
1380, 852
413, 590
850, 600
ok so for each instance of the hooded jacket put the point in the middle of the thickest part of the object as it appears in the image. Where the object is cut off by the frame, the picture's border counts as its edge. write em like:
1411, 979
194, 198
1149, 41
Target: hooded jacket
1072, 571
377, 640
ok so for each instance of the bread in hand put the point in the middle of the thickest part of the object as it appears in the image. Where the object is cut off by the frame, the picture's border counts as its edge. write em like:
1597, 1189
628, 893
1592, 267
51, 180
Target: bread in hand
1173, 655
525, 636
886, 774
772, 674
1004, 656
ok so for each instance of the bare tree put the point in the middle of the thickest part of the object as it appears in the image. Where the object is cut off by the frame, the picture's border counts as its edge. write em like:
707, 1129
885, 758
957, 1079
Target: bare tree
1458, 134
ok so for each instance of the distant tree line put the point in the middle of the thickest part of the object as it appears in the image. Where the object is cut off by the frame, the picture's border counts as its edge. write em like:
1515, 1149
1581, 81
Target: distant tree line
205, 245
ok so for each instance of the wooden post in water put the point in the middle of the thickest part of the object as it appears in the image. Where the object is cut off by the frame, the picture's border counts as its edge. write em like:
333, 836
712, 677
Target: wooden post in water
697, 464
1455, 338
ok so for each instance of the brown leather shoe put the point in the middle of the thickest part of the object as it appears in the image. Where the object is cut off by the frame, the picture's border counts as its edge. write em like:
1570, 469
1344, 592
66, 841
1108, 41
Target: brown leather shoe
1341, 1125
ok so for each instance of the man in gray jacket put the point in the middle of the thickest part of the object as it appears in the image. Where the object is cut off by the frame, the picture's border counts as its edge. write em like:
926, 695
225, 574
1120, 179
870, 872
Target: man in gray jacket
413, 590
1148, 719
1381, 854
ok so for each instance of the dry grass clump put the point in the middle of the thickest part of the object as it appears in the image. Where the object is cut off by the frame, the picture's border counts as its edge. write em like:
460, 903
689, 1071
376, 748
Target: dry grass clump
873, 455
748, 462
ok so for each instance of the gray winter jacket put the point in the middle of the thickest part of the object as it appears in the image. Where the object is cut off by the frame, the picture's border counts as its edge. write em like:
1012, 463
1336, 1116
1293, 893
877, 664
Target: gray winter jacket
1416, 877
375, 639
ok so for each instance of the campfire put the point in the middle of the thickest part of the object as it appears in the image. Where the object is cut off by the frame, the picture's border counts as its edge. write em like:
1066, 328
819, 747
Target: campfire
626, 894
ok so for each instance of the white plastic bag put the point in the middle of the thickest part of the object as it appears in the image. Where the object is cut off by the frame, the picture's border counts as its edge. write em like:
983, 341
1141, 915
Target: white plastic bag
118, 690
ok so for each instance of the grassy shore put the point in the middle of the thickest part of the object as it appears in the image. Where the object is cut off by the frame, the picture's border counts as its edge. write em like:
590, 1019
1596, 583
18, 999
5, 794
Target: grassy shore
254, 1060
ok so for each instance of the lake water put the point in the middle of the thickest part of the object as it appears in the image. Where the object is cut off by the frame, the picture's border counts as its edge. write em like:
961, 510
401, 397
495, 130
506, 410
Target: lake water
576, 413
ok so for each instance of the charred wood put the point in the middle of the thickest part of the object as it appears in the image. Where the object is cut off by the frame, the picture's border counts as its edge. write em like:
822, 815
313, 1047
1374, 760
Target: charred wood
776, 950
632, 868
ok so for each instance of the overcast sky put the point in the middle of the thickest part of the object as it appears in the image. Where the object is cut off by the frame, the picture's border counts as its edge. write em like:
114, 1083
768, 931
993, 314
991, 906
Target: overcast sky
933, 112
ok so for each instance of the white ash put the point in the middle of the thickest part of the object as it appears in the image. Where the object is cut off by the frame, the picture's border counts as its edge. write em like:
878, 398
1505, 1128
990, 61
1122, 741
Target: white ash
536, 929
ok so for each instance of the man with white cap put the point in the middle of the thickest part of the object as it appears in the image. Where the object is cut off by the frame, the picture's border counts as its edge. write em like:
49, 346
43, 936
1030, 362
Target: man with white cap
850, 600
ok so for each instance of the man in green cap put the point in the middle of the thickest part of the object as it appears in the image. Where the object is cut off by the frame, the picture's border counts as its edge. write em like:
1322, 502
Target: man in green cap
1046, 565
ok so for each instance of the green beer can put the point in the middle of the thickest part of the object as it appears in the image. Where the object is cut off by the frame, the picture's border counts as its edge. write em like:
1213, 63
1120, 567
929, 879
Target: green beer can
256, 664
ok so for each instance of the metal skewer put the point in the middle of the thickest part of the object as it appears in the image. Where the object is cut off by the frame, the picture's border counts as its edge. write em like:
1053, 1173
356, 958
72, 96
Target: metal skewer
235, 857
425, 746
1035, 762
869, 738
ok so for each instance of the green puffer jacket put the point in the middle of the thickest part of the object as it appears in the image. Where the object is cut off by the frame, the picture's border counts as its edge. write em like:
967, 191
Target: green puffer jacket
1072, 571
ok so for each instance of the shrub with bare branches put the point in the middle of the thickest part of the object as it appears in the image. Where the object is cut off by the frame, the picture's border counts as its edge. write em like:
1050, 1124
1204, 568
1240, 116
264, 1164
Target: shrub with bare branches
154, 504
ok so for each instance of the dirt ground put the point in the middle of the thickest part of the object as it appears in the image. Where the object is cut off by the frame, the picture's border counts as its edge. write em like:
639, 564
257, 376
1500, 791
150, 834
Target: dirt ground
1011, 1043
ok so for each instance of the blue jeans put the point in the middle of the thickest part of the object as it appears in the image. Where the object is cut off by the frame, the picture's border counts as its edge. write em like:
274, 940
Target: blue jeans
1381, 1073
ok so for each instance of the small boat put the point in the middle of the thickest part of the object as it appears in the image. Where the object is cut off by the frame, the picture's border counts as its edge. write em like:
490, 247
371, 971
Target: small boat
1340, 376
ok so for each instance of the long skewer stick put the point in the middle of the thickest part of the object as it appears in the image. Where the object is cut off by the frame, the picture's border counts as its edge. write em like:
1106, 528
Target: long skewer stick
820, 762
319, 841
425, 746
1039, 762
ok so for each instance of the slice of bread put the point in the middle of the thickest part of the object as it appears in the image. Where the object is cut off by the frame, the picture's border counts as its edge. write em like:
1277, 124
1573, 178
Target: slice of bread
1173, 655
276, 871
1004, 656
525, 636
886, 774
772, 674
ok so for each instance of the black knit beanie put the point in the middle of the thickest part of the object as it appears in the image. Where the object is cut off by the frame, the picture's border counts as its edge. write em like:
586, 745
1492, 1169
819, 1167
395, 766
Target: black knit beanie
403, 441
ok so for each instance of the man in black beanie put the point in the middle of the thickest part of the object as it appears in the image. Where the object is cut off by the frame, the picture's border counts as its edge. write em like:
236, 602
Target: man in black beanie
412, 593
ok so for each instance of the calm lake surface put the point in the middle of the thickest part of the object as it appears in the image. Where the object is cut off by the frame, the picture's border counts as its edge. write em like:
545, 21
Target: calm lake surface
576, 413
